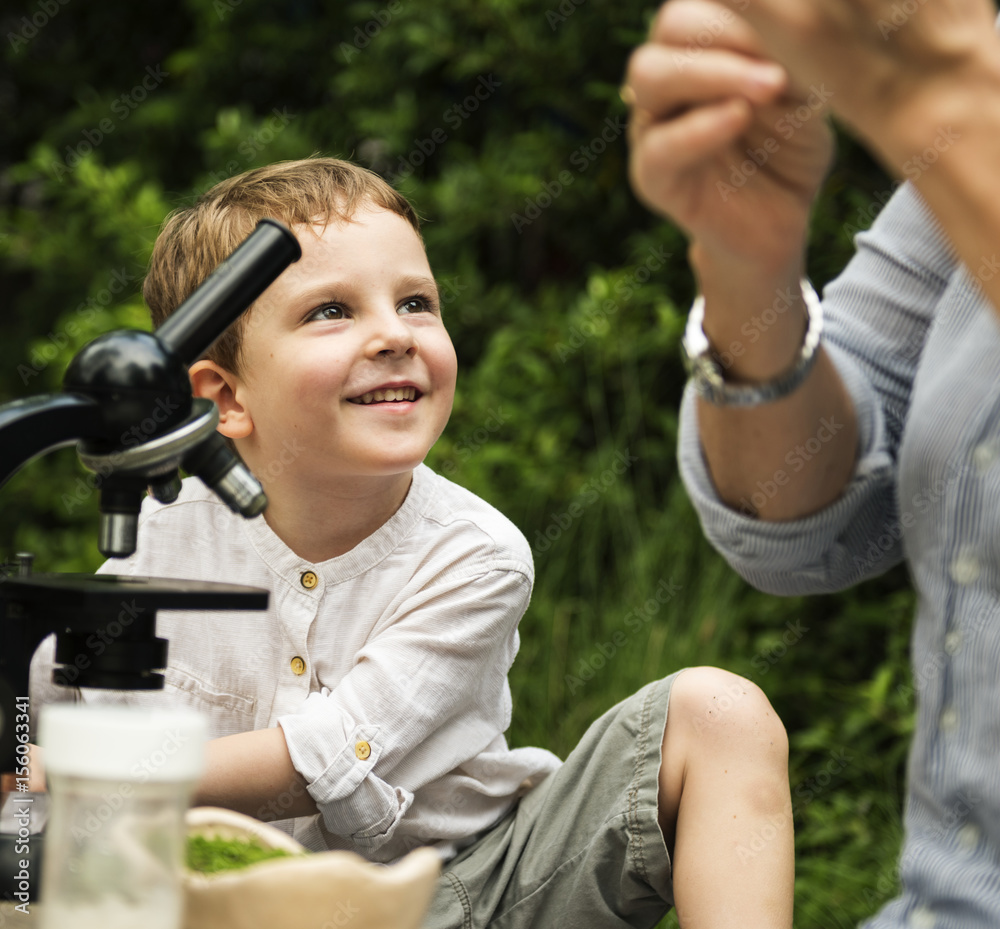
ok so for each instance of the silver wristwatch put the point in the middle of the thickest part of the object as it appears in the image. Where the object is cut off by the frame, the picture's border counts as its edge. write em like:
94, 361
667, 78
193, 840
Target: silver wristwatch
707, 375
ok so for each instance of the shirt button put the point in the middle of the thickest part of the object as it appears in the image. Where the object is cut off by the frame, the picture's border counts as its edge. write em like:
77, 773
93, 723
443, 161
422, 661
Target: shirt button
362, 750
948, 721
965, 568
309, 579
952, 642
968, 837
983, 456
298, 665
921, 918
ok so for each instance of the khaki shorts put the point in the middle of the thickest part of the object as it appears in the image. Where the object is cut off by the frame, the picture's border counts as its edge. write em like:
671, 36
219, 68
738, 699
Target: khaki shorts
583, 850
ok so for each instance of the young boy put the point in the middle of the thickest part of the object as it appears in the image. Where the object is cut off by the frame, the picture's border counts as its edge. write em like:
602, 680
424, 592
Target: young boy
366, 708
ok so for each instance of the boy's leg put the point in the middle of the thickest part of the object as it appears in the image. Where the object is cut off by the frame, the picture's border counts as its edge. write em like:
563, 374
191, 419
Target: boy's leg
586, 847
725, 806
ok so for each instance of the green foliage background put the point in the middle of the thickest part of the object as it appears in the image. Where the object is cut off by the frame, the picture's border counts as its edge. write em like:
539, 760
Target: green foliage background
566, 324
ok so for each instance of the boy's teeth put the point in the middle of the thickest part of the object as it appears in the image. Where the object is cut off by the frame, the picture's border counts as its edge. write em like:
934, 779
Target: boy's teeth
389, 394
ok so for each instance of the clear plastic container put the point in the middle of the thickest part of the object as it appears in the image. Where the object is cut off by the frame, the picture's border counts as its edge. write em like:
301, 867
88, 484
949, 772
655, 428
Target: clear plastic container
120, 780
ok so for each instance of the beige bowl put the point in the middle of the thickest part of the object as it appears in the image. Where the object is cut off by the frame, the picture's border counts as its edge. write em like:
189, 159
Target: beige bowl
326, 890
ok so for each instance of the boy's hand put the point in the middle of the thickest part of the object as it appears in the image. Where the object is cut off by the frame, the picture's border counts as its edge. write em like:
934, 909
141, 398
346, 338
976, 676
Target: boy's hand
720, 142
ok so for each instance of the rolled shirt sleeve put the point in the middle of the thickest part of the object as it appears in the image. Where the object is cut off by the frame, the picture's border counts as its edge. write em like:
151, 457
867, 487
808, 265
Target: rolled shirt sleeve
421, 699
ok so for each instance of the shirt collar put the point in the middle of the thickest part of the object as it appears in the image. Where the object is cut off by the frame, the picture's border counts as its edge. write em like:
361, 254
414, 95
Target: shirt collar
364, 556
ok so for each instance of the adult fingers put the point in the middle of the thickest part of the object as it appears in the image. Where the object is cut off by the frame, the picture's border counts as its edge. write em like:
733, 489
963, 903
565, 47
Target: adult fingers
664, 151
663, 80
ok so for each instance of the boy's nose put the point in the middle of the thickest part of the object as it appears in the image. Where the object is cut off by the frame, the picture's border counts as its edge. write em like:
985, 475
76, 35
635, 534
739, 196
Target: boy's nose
391, 336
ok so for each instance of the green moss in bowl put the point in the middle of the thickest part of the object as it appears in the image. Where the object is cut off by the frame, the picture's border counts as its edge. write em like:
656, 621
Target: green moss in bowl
211, 855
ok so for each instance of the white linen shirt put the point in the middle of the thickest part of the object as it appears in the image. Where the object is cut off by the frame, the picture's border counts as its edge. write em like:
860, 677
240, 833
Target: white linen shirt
385, 667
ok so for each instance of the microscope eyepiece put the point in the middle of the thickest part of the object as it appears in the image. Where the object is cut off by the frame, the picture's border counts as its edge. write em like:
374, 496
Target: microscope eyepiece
223, 471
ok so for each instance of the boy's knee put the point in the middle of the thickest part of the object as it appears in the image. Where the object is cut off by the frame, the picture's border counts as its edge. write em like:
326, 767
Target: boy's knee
711, 703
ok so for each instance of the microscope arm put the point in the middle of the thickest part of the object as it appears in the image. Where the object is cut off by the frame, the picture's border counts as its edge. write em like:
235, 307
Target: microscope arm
30, 427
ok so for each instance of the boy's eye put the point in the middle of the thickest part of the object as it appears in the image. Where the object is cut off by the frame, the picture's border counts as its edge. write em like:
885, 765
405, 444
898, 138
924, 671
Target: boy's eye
330, 311
416, 305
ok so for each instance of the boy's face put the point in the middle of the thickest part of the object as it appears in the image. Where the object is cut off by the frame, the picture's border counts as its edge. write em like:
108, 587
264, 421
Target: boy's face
357, 315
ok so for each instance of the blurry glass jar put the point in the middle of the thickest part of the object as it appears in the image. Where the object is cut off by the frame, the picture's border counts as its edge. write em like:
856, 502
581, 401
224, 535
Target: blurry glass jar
120, 780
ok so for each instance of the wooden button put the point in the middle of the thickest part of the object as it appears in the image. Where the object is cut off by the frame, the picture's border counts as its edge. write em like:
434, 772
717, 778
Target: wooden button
309, 579
362, 750
298, 665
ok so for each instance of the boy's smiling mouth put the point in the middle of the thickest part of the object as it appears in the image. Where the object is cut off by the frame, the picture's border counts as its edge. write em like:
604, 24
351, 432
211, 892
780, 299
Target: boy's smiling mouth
387, 395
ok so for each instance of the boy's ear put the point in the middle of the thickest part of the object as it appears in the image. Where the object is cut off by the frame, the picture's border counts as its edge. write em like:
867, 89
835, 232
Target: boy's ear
216, 383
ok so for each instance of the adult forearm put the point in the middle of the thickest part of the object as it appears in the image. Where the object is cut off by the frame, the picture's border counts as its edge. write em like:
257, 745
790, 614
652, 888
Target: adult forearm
957, 169
785, 459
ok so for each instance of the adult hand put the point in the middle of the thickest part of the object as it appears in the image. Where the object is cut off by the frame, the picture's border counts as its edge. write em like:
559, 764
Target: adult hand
894, 69
721, 142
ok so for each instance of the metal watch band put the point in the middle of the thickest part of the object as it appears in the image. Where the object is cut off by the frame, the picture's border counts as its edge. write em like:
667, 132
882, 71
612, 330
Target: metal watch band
707, 376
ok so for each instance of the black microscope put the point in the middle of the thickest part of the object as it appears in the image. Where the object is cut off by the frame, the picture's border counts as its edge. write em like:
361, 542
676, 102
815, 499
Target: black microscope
120, 380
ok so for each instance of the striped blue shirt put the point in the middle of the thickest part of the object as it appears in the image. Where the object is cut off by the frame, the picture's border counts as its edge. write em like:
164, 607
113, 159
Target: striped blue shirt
918, 347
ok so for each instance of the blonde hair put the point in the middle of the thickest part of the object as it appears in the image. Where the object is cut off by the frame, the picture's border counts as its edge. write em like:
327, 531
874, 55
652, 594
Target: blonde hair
194, 240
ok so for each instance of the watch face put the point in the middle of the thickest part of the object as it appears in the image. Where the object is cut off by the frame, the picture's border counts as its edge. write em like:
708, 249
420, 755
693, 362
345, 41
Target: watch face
706, 369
